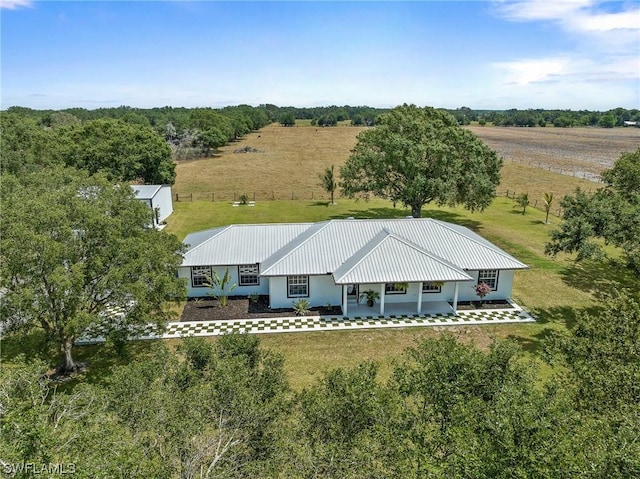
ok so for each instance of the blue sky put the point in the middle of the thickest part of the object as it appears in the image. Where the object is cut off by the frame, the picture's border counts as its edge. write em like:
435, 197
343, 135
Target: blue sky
574, 54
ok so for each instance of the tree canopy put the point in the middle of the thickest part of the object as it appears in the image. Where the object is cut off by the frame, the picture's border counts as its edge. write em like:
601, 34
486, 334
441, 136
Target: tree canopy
76, 248
419, 155
611, 214
124, 151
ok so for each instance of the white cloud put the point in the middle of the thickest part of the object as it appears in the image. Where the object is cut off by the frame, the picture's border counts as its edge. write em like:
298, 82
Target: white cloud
525, 71
529, 10
582, 16
15, 4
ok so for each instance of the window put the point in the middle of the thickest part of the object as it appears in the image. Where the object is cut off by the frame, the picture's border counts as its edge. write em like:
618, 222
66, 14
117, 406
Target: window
297, 286
395, 288
431, 287
249, 274
200, 276
490, 277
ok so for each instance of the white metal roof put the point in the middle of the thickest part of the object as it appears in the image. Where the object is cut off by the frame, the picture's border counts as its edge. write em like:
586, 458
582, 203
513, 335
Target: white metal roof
239, 244
390, 259
145, 192
332, 246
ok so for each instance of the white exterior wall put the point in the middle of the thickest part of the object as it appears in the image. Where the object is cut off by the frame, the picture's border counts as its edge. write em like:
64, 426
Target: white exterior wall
163, 200
411, 296
199, 292
322, 291
467, 290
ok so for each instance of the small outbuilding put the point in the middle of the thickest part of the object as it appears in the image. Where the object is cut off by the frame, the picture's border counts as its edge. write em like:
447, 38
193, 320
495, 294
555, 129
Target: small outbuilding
159, 199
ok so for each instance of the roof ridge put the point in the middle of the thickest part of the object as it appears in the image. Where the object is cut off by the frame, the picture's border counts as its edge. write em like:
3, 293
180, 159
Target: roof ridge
430, 254
377, 245
496, 249
298, 246
225, 228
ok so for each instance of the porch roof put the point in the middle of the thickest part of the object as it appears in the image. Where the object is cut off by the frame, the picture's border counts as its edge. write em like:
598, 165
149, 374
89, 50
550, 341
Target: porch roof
388, 258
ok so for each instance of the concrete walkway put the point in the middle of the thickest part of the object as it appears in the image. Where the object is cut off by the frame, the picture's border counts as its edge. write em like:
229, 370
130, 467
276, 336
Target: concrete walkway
299, 324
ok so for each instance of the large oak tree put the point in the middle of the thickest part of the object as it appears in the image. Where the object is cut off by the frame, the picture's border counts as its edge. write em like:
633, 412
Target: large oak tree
418, 155
75, 248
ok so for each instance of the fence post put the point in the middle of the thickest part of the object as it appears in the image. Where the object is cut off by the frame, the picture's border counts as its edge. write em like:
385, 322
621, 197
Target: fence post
292, 195
273, 195
213, 197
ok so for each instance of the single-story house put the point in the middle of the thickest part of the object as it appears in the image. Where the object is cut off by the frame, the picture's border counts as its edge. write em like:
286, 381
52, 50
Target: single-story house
158, 198
417, 262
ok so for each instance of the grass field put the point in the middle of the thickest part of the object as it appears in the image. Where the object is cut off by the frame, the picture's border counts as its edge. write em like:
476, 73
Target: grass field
290, 161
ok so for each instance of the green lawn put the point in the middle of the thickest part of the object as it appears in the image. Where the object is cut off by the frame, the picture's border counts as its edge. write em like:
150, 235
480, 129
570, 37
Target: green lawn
552, 289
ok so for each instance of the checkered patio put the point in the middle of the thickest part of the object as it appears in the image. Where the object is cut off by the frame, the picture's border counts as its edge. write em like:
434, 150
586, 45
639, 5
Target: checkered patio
297, 324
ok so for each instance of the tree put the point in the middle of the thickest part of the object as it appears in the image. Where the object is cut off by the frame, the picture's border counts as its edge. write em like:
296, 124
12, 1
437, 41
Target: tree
287, 119
522, 201
611, 214
419, 155
123, 151
76, 248
329, 182
547, 201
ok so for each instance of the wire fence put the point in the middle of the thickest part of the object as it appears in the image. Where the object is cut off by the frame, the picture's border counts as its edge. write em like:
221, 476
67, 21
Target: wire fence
576, 173
313, 195
233, 196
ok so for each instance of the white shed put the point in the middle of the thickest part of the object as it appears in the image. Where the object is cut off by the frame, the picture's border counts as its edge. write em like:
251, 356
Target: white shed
158, 198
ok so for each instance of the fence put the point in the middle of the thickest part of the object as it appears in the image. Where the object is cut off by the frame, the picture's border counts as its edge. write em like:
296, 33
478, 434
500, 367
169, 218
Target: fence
585, 175
230, 196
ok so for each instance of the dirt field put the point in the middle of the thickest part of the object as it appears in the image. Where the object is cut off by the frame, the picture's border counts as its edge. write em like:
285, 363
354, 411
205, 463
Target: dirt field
290, 160
580, 152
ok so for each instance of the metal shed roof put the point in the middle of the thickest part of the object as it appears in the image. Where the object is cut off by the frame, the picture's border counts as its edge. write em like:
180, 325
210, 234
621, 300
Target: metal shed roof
145, 192
388, 258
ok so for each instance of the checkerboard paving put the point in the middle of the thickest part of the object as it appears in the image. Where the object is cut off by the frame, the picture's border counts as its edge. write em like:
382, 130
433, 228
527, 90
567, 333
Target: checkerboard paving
294, 324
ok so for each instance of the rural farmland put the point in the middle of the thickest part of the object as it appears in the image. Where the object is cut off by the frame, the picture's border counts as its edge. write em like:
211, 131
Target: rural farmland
288, 161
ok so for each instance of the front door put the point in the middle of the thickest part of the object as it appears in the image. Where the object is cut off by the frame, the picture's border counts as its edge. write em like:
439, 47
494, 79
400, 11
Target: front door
352, 293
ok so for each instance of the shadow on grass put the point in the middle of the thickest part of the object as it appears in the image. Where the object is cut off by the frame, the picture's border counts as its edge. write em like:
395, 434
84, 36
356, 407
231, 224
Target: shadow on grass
600, 277
560, 318
394, 213
98, 358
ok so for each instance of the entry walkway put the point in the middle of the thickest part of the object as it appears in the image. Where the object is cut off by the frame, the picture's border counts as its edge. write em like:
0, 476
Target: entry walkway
299, 324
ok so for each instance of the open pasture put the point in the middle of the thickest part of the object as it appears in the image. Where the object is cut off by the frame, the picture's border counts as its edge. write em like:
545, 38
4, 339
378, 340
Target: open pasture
290, 160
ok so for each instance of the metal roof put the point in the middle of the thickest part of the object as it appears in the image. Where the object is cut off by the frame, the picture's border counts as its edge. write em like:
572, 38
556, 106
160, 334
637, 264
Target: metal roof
145, 192
388, 258
239, 244
321, 248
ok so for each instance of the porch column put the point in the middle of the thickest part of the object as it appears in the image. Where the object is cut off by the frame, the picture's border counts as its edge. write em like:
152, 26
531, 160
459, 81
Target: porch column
382, 299
455, 299
345, 299
419, 298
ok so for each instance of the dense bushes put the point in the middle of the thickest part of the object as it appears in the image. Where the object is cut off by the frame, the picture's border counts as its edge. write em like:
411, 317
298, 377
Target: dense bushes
223, 409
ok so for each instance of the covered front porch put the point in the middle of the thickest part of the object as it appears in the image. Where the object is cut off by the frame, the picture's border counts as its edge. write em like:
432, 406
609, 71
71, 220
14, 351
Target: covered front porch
417, 298
398, 309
